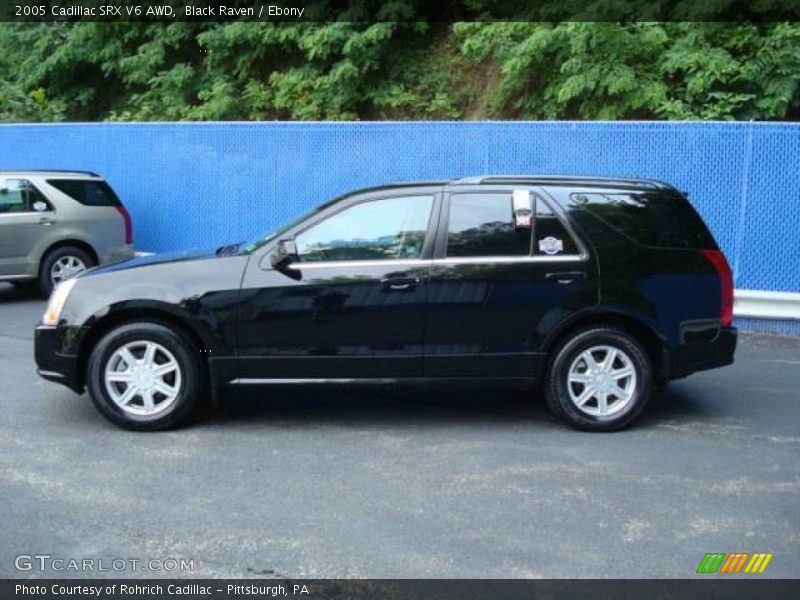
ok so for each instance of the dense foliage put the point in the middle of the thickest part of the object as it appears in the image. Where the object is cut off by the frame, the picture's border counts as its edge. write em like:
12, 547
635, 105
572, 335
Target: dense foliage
399, 70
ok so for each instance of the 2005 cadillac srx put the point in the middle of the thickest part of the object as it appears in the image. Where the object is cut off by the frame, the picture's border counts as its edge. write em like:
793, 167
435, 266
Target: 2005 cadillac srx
597, 289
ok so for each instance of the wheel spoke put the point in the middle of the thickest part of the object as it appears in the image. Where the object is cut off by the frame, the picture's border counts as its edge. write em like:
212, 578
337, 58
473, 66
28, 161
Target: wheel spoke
580, 378
161, 370
622, 373
127, 396
588, 358
620, 393
602, 403
149, 354
608, 361
587, 393
127, 357
147, 399
164, 388
119, 376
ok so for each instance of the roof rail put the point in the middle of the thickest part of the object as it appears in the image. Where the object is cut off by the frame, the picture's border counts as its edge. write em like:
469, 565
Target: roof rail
575, 179
76, 171
417, 183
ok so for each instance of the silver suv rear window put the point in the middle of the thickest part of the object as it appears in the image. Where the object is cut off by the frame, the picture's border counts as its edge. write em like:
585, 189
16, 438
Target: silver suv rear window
86, 191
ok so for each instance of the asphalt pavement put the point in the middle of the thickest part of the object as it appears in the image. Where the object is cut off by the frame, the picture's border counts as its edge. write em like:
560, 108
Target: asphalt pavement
391, 482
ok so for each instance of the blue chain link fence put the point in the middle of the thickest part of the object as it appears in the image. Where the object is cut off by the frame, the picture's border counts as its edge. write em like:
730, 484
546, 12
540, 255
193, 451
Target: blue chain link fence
203, 184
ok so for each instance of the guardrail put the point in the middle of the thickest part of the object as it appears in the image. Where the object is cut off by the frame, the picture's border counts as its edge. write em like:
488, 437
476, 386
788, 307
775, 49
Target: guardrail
759, 304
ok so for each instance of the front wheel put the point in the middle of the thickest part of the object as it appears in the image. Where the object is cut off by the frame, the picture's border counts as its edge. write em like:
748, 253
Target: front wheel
144, 376
600, 379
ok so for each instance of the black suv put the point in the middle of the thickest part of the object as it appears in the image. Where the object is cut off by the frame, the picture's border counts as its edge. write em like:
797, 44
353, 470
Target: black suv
595, 288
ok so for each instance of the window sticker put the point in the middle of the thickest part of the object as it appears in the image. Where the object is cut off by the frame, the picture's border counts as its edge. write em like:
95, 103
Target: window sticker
523, 209
551, 245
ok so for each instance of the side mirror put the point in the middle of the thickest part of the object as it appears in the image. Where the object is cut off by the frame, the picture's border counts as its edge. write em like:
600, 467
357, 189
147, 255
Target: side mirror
284, 255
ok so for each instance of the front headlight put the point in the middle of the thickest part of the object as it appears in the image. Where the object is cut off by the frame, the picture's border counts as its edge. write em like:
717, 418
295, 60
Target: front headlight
57, 300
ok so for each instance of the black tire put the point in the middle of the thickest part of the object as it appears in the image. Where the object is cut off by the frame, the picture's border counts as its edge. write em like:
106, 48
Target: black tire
45, 275
568, 352
192, 373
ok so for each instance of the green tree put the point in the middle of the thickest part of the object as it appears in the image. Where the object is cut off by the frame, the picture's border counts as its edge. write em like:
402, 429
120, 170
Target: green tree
398, 70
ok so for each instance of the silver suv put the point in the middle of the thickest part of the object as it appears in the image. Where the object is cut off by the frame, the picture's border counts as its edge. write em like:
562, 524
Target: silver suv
55, 224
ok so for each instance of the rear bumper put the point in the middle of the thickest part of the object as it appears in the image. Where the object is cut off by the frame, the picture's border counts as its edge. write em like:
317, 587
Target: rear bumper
702, 356
119, 254
52, 364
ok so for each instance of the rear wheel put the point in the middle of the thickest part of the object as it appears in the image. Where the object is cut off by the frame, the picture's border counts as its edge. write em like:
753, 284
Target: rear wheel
145, 376
61, 264
600, 379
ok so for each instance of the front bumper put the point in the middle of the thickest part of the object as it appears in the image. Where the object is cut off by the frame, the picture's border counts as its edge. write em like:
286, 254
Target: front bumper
702, 356
52, 363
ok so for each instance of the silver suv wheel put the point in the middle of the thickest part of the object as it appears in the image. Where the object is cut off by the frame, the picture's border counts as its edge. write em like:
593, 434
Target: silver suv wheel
601, 381
65, 267
143, 378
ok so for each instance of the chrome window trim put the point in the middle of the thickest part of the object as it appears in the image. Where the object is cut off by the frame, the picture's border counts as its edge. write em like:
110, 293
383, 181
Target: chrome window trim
493, 260
415, 262
460, 260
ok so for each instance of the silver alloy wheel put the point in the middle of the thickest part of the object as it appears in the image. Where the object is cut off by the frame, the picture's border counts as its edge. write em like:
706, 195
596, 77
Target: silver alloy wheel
66, 267
143, 378
601, 381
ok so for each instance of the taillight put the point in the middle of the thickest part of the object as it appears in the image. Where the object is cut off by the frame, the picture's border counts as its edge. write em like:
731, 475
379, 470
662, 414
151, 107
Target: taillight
128, 225
717, 258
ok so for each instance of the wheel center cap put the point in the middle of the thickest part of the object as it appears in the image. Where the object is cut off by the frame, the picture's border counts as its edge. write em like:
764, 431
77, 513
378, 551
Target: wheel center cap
142, 377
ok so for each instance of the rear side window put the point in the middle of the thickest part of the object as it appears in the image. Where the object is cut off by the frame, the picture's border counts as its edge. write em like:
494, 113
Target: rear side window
87, 192
20, 196
483, 225
551, 236
651, 219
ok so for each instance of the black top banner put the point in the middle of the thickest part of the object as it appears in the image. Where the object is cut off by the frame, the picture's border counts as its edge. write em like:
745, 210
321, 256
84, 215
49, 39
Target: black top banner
264, 11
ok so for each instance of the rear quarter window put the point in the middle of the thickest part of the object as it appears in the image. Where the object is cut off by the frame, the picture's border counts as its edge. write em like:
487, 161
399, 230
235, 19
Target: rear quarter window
651, 219
87, 192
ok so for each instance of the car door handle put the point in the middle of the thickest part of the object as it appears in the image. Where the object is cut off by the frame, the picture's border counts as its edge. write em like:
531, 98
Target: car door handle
566, 276
45, 221
398, 284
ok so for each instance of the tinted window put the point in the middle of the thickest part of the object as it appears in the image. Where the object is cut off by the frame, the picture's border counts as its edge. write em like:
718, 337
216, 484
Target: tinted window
393, 228
19, 196
651, 219
87, 192
483, 225
552, 237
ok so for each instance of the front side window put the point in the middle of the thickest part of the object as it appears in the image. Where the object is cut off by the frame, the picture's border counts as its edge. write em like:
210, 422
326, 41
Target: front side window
484, 225
20, 196
387, 229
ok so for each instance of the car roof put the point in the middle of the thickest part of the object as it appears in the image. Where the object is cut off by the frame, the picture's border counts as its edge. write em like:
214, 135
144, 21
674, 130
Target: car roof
57, 172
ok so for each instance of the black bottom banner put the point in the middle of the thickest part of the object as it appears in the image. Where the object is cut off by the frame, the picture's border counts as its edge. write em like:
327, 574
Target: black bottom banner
396, 589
